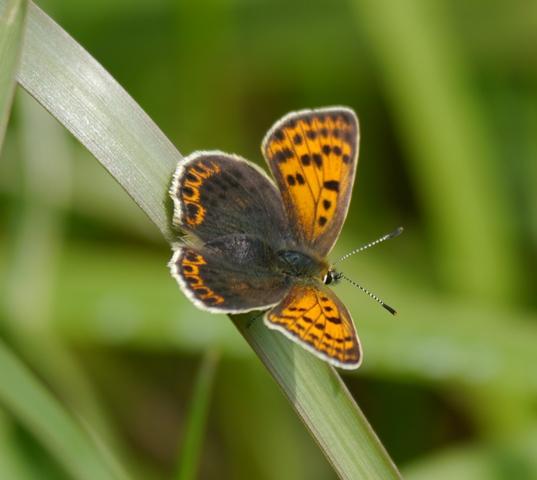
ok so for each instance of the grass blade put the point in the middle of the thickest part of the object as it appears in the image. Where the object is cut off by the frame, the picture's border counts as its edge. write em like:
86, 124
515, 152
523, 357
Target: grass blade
322, 402
83, 97
12, 15
33, 405
197, 418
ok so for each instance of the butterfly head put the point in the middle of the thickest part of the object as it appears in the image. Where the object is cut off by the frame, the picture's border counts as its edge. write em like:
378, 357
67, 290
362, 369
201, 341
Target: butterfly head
332, 277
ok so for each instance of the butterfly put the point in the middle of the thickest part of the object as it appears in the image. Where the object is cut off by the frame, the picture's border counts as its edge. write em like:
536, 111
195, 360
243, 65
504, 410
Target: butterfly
253, 243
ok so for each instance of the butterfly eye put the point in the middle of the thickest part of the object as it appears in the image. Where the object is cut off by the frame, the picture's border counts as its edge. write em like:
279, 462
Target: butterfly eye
327, 279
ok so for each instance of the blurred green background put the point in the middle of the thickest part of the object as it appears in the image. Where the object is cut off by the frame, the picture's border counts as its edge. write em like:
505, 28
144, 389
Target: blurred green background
446, 93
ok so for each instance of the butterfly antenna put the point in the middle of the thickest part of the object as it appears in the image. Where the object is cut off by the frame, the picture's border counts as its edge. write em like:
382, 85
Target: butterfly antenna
371, 294
388, 236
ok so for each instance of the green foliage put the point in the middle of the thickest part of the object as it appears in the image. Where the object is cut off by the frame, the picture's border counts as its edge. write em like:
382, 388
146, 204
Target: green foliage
46, 419
446, 98
115, 138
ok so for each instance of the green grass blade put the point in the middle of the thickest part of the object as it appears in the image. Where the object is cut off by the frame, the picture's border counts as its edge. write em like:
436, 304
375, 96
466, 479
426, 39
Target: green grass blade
322, 401
12, 15
192, 443
82, 96
32, 404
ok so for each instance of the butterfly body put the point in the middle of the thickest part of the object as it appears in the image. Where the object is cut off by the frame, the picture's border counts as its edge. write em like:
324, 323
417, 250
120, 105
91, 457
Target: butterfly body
254, 245
302, 266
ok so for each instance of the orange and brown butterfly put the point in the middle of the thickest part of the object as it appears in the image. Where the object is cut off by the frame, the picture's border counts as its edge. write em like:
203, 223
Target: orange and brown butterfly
257, 244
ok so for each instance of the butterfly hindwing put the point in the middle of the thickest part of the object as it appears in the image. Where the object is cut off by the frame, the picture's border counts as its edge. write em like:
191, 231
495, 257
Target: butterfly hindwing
227, 275
314, 317
217, 194
313, 156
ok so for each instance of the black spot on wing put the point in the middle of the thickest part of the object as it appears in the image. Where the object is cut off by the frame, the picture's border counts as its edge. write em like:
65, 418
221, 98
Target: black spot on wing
287, 153
335, 320
332, 185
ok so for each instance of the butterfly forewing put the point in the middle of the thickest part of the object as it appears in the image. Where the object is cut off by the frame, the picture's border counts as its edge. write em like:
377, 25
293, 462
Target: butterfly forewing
314, 317
313, 156
217, 194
